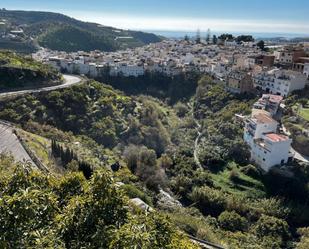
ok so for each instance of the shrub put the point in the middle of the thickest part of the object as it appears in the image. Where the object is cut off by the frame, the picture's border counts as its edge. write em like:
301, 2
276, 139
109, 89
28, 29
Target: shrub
133, 192
181, 109
208, 200
251, 170
271, 226
232, 221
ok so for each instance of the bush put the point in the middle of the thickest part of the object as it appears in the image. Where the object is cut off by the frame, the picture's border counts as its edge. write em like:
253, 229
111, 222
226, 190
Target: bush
133, 192
181, 109
234, 176
271, 226
208, 200
232, 221
251, 171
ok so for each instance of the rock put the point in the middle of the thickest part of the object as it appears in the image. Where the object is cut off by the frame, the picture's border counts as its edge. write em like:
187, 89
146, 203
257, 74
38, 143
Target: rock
166, 201
141, 204
292, 119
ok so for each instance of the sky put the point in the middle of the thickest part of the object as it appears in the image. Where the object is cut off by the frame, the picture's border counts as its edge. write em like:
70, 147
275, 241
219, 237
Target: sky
251, 16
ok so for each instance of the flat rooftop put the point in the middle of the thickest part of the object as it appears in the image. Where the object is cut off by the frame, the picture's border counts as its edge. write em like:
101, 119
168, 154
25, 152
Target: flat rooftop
276, 137
262, 118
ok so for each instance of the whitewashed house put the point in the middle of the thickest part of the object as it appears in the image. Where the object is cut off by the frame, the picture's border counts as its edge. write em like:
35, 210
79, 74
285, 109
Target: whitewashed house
268, 148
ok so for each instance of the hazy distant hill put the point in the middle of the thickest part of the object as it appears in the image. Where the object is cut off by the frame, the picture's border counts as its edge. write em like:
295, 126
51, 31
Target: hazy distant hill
60, 32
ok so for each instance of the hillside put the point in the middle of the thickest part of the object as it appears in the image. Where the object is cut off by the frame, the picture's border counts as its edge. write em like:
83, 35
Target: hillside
45, 211
22, 72
149, 146
60, 32
296, 120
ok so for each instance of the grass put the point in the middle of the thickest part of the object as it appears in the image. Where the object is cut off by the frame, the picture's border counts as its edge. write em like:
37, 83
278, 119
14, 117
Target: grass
41, 147
194, 225
304, 113
246, 186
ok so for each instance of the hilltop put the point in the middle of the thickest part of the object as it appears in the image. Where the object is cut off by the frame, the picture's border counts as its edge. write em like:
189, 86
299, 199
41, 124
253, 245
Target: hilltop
19, 71
60, 32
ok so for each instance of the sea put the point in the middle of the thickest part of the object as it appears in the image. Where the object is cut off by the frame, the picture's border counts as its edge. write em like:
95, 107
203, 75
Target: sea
181, 34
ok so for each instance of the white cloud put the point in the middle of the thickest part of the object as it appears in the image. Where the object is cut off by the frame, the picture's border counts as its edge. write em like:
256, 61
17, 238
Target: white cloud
190, 24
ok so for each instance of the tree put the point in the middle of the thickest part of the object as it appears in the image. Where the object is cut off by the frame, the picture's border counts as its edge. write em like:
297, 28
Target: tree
261, 45
187, 38
214, 39
198, 37
245, 38
226, 37
208, 36
304, 240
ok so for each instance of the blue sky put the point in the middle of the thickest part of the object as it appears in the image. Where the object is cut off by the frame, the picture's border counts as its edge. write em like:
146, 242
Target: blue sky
188, 15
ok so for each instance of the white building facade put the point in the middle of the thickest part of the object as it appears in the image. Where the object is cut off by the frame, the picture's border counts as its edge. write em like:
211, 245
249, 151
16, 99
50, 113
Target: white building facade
280, 82
268, 148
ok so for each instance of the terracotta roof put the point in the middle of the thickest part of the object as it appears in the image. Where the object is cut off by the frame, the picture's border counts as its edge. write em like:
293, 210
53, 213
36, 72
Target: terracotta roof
272, 98
263, 118
276, 137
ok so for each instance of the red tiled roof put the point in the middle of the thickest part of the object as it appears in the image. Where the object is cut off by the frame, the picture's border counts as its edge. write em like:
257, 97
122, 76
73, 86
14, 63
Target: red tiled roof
276, 137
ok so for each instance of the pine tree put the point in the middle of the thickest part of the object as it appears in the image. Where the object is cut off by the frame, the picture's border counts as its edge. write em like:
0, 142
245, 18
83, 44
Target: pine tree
187, 39
86, 169
208, 36
198, 36
214, 39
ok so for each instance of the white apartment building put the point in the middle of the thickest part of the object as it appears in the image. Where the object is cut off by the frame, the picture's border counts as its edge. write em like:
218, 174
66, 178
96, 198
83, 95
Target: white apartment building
284, 56
280, 82
269, 102
127, 70
259, 124
268, 148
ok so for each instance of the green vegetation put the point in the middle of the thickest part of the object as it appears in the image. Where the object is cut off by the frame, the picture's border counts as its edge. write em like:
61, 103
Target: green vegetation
296, 120
169, 88
149, 147
70, 39
60, 32
39, 211
18, 71
304, 113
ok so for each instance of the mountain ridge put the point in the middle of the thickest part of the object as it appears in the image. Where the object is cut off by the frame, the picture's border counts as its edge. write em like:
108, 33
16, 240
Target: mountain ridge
43, 28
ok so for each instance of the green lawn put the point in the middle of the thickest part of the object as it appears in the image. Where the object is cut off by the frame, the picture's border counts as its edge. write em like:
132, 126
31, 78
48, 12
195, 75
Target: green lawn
247, 186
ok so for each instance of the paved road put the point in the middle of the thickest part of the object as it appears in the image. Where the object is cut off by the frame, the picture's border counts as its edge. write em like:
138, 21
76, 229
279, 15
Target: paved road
69, 80
9, 143
299, 156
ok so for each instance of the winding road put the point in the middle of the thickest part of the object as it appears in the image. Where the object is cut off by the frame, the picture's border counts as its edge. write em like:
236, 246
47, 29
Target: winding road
9, 142
69, 80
